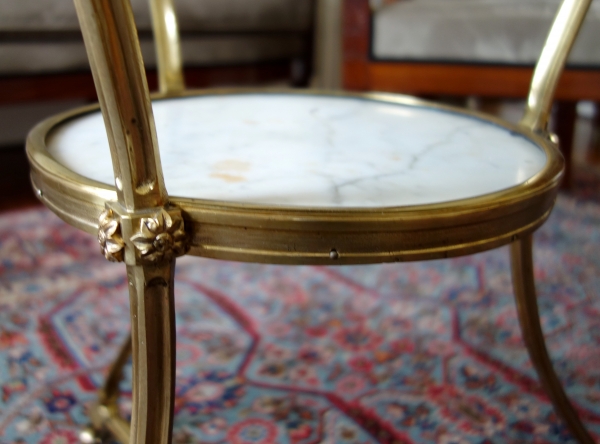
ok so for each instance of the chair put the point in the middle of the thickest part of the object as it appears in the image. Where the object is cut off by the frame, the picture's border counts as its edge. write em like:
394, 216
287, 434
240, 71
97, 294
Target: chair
285, 177
42, 56
382, 53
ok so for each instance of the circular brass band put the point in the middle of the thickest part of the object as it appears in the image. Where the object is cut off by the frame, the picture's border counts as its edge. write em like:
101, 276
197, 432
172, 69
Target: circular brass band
301, 235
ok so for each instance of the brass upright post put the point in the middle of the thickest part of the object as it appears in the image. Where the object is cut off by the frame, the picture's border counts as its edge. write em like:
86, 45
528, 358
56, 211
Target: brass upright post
551, 63
141, 228
113, 49
168, 47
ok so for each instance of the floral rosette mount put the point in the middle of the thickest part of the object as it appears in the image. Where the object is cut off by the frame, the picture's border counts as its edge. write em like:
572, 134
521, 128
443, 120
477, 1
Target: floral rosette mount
161, 237
146, 237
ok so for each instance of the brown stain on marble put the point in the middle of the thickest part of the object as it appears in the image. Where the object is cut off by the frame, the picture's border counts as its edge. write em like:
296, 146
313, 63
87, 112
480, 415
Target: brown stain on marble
230, 170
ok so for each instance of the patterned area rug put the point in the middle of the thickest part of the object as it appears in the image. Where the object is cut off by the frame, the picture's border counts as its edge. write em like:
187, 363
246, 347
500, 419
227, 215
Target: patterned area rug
402, 353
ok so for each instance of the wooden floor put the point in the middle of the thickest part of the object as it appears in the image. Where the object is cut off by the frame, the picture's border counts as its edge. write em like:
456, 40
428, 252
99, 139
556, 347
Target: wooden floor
16, 192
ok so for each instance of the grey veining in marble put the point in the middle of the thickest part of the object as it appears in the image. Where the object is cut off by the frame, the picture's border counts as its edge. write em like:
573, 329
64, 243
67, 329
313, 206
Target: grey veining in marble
314, 151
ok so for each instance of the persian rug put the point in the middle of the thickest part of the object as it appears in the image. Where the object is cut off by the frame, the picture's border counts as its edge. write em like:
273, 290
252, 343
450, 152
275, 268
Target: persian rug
426, 352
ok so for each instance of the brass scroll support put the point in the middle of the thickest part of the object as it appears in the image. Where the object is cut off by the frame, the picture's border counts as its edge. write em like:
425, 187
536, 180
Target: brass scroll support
551, 63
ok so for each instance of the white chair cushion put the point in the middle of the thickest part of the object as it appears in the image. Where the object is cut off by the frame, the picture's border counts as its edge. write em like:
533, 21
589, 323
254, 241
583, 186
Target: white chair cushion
44, 38
317, 151
484, 31
207, 15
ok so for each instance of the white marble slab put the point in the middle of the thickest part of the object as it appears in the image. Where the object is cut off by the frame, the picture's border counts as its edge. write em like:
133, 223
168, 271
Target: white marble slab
314, 151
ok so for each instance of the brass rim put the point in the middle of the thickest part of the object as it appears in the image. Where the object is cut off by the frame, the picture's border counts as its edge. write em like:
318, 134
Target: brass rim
79, 200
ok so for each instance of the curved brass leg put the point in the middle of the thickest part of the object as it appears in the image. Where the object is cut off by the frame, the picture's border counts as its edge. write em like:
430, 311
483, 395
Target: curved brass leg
525, 295
153, 352
105, 413
110, 391
152, 347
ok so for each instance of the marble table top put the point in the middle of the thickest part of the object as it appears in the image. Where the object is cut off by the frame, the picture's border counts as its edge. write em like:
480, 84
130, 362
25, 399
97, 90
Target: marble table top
310, 150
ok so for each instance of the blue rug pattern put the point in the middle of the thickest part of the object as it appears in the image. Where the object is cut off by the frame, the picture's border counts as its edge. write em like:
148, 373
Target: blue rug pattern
426, 352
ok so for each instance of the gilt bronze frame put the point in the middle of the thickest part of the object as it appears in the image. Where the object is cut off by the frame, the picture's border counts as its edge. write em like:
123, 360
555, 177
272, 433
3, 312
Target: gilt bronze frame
139, 224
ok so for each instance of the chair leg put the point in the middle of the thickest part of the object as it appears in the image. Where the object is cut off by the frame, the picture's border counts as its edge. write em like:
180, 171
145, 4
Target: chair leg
525, 295
153, 352
564, 127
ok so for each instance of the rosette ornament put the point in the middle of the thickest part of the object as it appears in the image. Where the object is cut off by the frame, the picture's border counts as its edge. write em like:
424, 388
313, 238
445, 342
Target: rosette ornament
109, 236
160, 237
